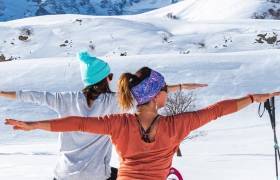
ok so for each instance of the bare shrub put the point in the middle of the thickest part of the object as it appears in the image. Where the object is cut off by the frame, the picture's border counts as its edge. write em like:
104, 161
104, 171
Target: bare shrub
179, 102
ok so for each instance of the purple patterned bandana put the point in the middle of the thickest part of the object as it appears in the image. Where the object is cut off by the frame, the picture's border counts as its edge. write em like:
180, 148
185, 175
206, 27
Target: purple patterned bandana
148, 88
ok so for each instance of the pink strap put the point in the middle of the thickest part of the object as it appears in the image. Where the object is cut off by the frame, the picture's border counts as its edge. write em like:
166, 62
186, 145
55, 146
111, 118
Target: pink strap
175, 172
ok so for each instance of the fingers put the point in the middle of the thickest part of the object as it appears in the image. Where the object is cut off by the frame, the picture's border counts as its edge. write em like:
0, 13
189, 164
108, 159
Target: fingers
276, 94
17, 125
203, 85
19, 128
200, 85
13, 122
16, 128
264, 97
10, 122
267, 95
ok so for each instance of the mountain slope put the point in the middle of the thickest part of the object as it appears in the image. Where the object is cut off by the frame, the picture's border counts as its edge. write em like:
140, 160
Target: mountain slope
10, 10
186, 9
205, 10
67, 34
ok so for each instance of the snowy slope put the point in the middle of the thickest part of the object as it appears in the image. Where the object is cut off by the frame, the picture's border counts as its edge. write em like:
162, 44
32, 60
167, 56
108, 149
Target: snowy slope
205, 10
235, 56
67, 34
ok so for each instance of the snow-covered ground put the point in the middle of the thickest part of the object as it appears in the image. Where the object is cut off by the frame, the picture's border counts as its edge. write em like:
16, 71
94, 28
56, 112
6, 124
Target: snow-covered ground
205, 10
235, 56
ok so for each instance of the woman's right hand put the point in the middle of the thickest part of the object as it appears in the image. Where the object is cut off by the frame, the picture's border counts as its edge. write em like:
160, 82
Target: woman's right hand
20, 125
191, 86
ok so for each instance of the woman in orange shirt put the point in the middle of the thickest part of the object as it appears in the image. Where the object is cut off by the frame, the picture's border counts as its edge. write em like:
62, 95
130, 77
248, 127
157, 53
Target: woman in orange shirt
145, 141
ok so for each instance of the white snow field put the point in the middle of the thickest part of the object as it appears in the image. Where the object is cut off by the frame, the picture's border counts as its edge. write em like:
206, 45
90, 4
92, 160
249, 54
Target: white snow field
235, 55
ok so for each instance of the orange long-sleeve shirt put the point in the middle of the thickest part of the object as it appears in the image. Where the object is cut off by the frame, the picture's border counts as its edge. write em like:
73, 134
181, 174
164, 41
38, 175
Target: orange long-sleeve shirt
140, 160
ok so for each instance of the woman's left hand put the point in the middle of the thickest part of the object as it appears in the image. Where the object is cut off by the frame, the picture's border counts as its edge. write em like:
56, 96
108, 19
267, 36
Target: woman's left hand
259, 98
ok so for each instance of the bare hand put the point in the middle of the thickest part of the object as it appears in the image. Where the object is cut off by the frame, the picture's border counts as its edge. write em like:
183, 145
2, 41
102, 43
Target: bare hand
193, 86
259, 98
19, 125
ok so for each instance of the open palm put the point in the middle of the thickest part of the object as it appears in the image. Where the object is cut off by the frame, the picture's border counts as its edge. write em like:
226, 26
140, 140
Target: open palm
19, 125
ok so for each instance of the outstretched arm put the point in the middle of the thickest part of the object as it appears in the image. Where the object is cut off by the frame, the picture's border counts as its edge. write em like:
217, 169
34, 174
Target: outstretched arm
186, 86
66, 124
190, 121
28, 126
8, 94
226, 107
258, 98
49, 99
98, 125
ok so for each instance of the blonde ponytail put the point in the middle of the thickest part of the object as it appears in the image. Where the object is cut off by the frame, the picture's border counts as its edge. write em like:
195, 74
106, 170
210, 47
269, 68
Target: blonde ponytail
125, 97
128, 81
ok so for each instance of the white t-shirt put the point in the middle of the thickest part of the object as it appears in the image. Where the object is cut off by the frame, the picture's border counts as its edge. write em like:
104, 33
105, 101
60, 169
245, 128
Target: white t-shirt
83, 156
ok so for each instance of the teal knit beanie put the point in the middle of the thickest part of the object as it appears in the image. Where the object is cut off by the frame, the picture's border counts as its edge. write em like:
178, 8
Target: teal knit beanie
93, 70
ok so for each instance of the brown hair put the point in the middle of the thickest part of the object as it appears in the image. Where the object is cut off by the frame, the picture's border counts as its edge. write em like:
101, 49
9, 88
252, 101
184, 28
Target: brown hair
92, 92
126, 82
